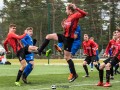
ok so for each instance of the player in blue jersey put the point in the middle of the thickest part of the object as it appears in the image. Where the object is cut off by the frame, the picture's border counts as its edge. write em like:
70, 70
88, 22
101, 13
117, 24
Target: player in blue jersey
75, 46
27, 40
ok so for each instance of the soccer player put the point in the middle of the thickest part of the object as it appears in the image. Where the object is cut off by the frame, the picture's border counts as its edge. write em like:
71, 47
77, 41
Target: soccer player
97, 55
75, 46
111, 45
110, 52
27, 40
111, 63
70, 25
117, 65
14, 41
89, 48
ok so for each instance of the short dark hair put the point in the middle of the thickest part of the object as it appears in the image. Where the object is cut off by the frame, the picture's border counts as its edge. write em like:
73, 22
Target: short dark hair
12, 25
29, 28
85, 34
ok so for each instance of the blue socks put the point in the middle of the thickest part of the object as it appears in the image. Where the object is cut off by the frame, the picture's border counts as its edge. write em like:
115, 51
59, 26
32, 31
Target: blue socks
91, 64
28, 70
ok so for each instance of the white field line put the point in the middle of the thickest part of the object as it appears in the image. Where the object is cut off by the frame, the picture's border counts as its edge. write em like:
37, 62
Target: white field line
91, 84
41, 89
64, 86
59, 64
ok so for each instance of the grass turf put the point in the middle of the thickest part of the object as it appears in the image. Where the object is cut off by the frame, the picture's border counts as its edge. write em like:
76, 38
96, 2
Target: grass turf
43, 76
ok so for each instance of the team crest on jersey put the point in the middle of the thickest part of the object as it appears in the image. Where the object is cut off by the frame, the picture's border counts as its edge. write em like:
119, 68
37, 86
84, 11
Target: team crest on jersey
67, 23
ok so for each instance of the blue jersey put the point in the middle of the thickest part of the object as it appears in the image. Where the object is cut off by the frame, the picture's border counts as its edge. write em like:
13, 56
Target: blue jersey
110, 52
77, 42
78, 32
27, 40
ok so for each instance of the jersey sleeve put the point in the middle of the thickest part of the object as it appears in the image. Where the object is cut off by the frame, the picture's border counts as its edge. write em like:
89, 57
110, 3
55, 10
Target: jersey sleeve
84, 49
5, 45
108, 48
94, 45
80, 13
17, 36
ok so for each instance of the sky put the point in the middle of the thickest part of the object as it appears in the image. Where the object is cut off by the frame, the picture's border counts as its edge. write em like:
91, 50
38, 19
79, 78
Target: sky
1, 4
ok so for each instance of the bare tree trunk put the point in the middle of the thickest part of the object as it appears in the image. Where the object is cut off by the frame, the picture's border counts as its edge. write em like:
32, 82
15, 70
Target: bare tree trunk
40, 34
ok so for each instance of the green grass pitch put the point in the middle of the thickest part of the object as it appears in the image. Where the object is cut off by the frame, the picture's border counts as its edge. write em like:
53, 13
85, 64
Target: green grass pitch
44, 76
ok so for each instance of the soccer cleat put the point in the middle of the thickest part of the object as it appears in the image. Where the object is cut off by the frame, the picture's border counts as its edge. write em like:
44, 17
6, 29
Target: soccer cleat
118, 72
73, 78
107, 84
86, 76
17, 84
115, 72
24, 80
100, 84
57, 48
91, 69
70, 76
112, 77
48, 52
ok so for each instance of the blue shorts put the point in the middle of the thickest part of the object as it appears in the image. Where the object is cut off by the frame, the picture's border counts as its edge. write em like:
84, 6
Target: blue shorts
75, 47
29, 57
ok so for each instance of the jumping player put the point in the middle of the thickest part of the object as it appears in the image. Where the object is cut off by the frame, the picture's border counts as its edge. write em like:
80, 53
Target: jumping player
75, 46
70, 25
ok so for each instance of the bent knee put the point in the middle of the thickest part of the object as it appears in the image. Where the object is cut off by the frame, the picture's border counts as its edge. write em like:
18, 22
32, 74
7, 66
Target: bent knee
23, 66
65, 57
48, 36
52, 36
84, 63
102, 66
107, 66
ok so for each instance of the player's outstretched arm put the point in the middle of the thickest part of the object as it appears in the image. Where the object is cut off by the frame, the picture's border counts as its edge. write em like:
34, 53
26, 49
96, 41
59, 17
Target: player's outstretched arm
80, 13
83, 13
18, 36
